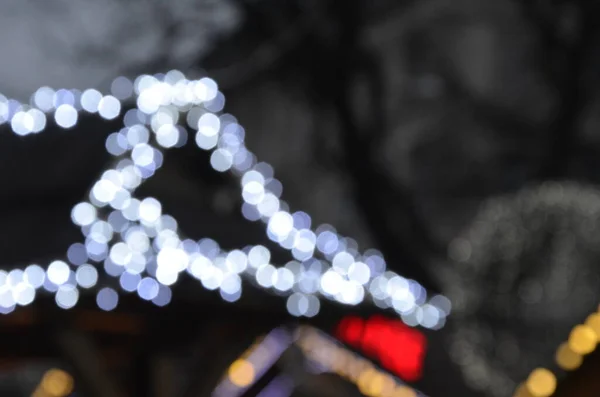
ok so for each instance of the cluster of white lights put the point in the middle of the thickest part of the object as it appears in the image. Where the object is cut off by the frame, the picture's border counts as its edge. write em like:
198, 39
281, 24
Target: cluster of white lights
141, 246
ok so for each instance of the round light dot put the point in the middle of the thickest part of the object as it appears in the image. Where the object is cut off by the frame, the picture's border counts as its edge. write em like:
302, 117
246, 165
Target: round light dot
167, 135
109, 107
24, 294
150, 210
44, 99
593, 321
582, 339
567, 359
541, 383
221, 160
65, 116
298, 304
84, 214
148, 288
58, 272
56, 383
90, 100
241, 373
129, 281
86, 276
67, 296
107, 299
370, 383
34, 275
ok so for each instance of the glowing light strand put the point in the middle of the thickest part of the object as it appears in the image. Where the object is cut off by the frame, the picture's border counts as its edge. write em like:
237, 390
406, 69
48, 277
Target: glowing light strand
582, 341
344, 276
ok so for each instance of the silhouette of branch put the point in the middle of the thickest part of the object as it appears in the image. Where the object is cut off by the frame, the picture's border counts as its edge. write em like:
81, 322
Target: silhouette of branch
375, 194
564, 60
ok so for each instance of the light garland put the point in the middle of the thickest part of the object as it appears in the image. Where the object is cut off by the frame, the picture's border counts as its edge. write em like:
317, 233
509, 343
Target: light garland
137, 239
583, 340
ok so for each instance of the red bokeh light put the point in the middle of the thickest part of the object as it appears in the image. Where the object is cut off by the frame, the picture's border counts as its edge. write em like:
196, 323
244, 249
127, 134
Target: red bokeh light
399, 348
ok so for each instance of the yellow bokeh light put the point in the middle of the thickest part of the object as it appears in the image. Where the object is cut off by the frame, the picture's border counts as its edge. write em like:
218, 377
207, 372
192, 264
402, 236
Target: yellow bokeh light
541, 383
375, 383
567, 359
57, 383
241, 373
593, 321
582, 339
370, 383
388, 384
522, 391
404, 391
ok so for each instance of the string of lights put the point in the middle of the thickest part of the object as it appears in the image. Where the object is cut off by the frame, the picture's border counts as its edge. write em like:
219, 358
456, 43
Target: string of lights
135, 239
583, 340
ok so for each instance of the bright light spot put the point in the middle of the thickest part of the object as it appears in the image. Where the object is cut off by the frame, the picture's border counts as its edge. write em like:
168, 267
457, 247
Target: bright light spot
24, 294
86, 276
167, 135
109, 107
66, 116
39, 120
58, 272
241, 373
221, 160
284, 280
342, 262
297, 304
259, 255
253, 192
67, 296
83, 214
22, 123
120, 254
359, 272
150, 210
281, 224
90, 100
331, 282
266, 275
44, 99
34, 275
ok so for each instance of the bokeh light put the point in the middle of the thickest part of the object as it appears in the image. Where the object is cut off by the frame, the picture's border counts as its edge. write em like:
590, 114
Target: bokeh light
567, 359
541, 383
137, 238
55, 383
582, 339
241, 373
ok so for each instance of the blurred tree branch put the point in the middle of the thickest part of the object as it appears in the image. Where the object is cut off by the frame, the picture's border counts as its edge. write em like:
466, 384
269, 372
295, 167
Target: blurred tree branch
387, 208
566, 31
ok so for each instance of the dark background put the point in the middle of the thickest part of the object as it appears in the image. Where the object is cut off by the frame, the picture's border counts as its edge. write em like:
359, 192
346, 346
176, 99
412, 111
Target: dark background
458, 137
